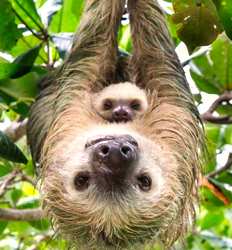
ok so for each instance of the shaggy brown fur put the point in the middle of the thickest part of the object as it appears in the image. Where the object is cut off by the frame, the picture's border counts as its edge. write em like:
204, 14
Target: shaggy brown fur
168, 134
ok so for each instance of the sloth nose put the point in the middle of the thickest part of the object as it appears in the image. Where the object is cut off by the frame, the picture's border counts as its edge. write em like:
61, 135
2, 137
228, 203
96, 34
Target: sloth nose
115, 154
113, 160
122, 114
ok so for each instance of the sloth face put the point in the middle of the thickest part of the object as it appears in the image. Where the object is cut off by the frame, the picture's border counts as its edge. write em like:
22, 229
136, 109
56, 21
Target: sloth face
121, 110
111, 188
121, 102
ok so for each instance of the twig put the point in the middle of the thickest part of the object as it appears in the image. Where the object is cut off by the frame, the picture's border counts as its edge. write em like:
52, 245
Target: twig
21, 214
15, 176
27, 179
16, 130
7, 181
208, 115
222, 169
216, 191
198, 53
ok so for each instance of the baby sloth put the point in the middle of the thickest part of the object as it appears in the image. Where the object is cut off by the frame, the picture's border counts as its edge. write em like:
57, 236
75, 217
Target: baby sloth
120, 102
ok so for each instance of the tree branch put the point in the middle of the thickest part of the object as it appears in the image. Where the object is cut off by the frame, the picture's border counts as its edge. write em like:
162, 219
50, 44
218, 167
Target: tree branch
216, 191
208, 115
198, 53
222, 169
21, 214
7, 181
27, 178
16, 130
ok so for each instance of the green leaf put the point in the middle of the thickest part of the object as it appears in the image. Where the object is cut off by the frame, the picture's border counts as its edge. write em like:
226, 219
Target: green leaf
20, 66
5, 169
26, 9
225, 109
26, 43
125, 39
10, 151
67, 18
221, 56
228, 134
3, 225
205, 76
9, 32
40, 224
212, 72
23, 87
225, 13
25, 62
7, 69
198, 22
225, 177
21, 108
212, 219
204, 84
39, 3
213, 135
16, 194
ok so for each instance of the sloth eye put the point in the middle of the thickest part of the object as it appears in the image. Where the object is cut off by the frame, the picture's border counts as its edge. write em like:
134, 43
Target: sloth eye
144, 182
107, 105
81, 181
135, 105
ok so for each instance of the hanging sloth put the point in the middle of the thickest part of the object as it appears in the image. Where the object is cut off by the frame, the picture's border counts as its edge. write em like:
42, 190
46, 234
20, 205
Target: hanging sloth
127, 182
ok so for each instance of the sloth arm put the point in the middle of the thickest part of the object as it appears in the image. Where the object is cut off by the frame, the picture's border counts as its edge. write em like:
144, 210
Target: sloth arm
154, 61
94, 54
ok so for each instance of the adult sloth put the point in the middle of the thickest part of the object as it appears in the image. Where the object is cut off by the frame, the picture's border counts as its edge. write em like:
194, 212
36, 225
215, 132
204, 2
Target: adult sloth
118, 185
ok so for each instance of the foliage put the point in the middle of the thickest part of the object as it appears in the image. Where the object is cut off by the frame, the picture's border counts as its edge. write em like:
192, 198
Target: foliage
34, 38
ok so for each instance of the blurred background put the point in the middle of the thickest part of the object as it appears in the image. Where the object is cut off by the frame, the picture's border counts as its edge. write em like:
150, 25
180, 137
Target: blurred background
35, 36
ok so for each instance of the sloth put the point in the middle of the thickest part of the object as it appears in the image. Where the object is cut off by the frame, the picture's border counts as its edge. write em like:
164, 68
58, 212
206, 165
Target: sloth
120, 185
120, 102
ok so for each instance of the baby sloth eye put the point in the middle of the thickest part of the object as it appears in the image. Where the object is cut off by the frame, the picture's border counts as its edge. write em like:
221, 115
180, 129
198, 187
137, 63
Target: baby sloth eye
144, 182
107, 105
81, 181
135, 104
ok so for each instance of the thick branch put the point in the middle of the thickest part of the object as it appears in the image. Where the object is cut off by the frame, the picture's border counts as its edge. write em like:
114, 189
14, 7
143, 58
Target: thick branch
222, 169
21, 214
208, 115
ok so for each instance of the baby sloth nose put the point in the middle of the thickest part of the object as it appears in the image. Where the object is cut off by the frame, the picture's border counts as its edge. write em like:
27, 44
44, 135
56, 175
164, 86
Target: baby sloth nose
113, 160
122, 114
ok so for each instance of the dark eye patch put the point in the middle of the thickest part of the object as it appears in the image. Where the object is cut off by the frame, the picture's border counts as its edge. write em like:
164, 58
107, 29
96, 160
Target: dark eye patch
107, 104
135, 104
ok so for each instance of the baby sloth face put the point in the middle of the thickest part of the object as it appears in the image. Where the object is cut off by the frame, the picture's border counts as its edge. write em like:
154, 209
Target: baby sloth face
120, 102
